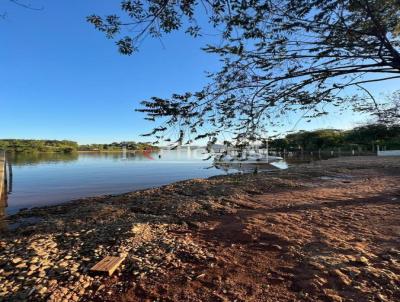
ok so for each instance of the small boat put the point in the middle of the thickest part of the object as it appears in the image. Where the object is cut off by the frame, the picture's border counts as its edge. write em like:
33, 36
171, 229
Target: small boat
247, 168
247, 159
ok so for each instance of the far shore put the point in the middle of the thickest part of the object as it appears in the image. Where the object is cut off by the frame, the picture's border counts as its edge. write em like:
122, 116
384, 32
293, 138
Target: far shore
324, 231
85, 151
116, 151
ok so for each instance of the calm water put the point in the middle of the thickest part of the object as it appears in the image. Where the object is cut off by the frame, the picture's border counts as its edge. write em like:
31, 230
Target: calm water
44, 179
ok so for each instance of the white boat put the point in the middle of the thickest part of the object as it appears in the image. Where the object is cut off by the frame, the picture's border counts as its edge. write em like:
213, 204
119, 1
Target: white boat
246, 159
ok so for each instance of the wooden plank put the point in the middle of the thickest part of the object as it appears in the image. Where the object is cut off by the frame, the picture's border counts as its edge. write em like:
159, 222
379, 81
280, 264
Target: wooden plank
108, 265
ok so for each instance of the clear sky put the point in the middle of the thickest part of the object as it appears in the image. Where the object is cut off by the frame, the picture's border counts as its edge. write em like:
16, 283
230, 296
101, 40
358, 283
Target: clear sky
61, 79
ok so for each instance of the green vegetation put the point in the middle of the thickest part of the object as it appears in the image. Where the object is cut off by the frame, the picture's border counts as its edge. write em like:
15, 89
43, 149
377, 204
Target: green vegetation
30, 145
277, 57
65, 146
364, 138
132, 146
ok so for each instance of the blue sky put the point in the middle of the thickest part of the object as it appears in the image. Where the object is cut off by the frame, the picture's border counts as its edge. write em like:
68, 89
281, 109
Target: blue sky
61, 79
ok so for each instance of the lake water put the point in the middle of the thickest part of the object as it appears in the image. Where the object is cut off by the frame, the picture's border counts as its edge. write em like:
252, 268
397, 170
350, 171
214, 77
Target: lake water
44, 178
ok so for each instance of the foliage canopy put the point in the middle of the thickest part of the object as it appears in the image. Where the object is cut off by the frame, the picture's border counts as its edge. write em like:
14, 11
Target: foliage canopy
278, 57
360, 138
31, 145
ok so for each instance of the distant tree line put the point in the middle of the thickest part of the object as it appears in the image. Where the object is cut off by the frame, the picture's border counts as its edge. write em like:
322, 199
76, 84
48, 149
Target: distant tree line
33, 145
66, 146
364, 138
132, 146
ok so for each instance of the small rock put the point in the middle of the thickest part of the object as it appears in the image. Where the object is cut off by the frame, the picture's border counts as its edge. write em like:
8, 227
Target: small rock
334, 298
342, 278
16, 260
381, 297
86, 284
316, 265
33, 267
21, 265
200, 276
100, 287
362, 260
64, 290
42, 291
276, 247
31, 291
63, 264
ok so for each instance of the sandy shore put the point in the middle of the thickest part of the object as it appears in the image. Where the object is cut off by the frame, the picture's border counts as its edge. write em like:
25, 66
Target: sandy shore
327, 231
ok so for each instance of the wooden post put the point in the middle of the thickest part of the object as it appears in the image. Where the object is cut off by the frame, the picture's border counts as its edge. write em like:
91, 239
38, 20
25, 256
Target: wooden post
10, 176
2, 173
3, 191
256, 170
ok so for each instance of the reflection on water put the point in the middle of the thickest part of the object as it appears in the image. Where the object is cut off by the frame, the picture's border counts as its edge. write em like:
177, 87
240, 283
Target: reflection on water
49, 178
22, 159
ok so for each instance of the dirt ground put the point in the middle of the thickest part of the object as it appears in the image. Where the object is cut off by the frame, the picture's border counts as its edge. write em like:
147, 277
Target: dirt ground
325, 231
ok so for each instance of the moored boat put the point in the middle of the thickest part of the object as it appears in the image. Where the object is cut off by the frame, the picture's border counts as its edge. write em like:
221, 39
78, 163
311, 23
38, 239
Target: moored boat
255, 158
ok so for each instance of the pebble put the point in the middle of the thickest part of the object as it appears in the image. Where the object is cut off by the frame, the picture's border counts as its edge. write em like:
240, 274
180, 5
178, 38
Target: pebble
63, 264
381, 297
33, 267
343, 278
16, 260
42, 291
362, 260
86, 284
277, 247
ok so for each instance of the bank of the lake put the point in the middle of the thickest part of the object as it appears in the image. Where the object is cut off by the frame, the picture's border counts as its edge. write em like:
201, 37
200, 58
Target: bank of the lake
41, 179
327, 231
